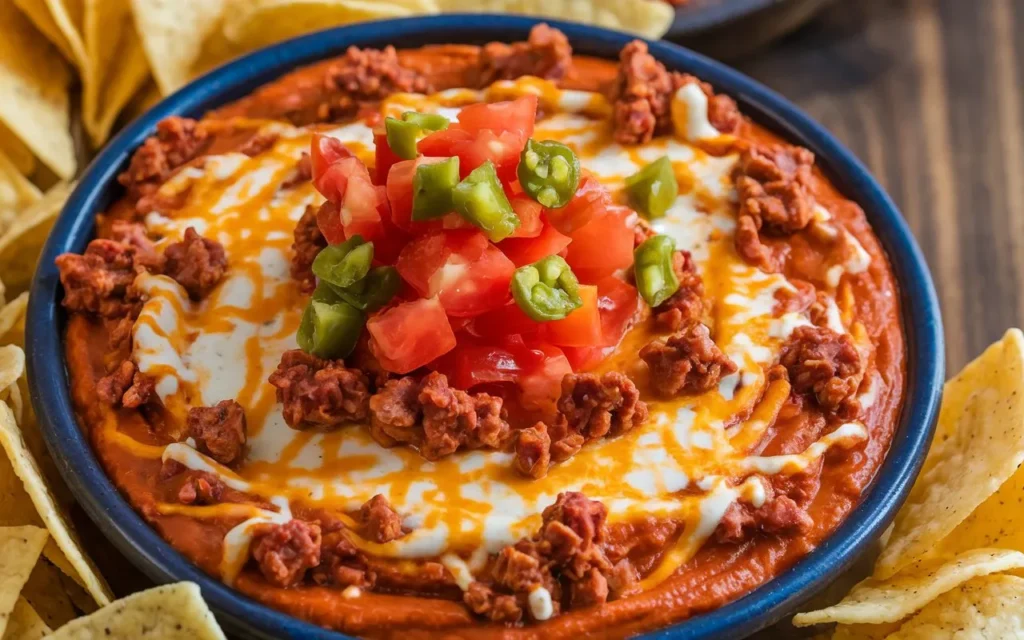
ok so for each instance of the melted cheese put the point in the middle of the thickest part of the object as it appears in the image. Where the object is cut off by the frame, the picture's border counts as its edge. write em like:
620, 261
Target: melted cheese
471, 503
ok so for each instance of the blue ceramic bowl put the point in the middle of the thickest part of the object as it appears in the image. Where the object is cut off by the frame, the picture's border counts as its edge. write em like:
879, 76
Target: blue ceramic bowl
98, 189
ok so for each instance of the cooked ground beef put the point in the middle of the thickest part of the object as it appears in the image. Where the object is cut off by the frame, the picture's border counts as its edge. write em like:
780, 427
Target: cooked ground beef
367, 75
219, 431
598, 406
380, 520
99, 281
546, 54
318, 391
258, 143
687, 303
286, 551
197, 263
688, 361
200, 488
126, 386
825, 364
533, 451
177, 141
307, 244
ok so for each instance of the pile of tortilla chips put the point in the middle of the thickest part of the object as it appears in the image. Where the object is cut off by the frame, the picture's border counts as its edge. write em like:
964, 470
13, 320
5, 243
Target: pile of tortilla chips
951, 563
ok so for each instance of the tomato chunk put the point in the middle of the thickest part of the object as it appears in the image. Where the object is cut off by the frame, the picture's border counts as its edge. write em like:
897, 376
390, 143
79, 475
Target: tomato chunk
467, 273
346, 184
410, 335
530, 213
474, 148
505, 321
618, 302
383, 158
324, 151
541, 385
582, 327
591, 201
399, 190
515, 116
602, 246
523, 251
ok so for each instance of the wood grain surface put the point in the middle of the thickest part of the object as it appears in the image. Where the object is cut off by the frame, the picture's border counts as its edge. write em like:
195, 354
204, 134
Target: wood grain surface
928, 94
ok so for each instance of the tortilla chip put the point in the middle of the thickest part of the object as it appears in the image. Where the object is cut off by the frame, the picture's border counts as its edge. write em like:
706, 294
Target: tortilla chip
45, 592
12, 365
25, 623
56, 522
980, 445
34, 84
16, 192
12, 321
251, 24
22, 243
55, 19
172, 35
117, 65
648, 18
19, 550
169, 612
16, 150
863, 631
986, 607
877, 601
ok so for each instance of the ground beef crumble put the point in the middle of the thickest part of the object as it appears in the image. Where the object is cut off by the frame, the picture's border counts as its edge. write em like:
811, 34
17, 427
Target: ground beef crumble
126, 386
367, 75
219, 431
687, 303
436, 418
643, 93
779, 515
773, 183
286, 551
545, 54
825, 364
99, 281
200, 488
196, 263
319, 392
177, 141
381, 522
568, 555
688, 361
307, 244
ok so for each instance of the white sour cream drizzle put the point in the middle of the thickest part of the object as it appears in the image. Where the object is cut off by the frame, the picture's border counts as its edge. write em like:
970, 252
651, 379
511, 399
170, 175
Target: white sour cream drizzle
227, 345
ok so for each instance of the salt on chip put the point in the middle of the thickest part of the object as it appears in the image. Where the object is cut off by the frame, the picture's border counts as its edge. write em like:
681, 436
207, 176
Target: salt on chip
19, 550
34, 82
648, 18
877, 601
985, 403
986, 607
255, 23
32, 478
172, 35
22, 243
169, 612
116, 68
25, 623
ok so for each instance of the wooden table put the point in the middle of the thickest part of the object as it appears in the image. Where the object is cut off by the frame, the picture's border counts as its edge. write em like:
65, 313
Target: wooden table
927, 93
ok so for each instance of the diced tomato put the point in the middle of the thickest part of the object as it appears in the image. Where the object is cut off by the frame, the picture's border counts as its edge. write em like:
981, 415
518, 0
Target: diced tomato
410, 335
346, 184
329, 222
582, 327
505, 321
516, 116
383, 158
602, 246
537, 369
585, 358
473, 149
530, 216
591, 201
399, 190
541, 385
523, 251
324, 151
467, 273
618, 302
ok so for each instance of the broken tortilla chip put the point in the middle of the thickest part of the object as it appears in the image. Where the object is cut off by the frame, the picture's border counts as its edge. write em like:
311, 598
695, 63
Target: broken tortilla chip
56, 522
22, 243
648, 18
878, 601
16, 192
172, 35
17, 151
12, 321
985, 607
169, 612
34, 81
56, 19
19, 550
25, 623
980, 445
45, 592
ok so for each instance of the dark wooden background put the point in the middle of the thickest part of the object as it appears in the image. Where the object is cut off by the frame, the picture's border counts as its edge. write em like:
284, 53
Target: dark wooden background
928, 94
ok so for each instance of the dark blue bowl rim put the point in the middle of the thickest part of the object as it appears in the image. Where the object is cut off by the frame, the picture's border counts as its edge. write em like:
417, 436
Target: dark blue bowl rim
763, 606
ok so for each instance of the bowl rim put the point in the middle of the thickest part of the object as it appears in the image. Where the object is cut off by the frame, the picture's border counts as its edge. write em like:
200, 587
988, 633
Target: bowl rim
757, 609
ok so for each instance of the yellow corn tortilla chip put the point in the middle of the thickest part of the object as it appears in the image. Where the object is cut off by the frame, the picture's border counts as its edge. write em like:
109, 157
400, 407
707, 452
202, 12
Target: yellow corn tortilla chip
46, 592
172, 35
56, 19
21, 244
56, 522
19, 550
877, 601
143, 100
16, 192
863, 631
982, 451
251, 24
117, 65
25, 623
19, 154
169, 612
34, 84
648, 18
986, 607
12, 321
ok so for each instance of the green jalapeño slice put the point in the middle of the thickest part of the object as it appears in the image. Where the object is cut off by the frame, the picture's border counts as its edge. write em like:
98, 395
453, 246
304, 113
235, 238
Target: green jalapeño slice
546, 290
549, 172
653, 189
656, 280
481, 200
